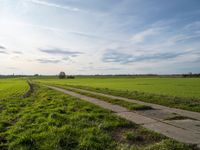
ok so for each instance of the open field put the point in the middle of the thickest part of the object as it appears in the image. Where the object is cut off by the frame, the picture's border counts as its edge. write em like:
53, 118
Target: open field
181, 93
182, 87
51, 120
99, 74
12, 88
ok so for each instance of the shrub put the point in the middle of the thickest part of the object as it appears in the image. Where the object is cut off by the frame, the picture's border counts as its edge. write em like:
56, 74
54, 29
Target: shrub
70, 77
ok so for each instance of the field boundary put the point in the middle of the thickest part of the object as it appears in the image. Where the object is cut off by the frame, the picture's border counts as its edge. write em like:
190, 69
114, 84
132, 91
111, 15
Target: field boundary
28, 93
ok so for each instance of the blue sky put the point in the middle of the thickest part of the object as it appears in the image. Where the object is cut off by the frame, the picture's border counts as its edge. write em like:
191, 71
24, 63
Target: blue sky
99, 36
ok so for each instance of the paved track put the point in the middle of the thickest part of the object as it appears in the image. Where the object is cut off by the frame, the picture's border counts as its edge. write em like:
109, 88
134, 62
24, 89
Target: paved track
186, 131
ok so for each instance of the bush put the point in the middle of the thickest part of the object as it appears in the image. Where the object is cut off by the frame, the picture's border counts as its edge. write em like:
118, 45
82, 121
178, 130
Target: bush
70, 77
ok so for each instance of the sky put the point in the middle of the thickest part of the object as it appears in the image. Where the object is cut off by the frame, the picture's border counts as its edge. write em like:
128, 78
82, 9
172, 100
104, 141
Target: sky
99, 36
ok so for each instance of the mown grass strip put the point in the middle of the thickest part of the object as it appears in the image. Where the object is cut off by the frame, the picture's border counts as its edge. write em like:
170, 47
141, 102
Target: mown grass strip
128, 105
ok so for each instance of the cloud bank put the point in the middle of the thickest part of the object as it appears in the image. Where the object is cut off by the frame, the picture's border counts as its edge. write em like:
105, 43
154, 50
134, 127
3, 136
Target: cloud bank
2, 47
58, 51
46, 61
124, 58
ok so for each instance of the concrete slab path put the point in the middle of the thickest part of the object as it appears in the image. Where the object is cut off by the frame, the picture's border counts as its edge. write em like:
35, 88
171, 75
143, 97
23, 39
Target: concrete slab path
186, 113
186, 131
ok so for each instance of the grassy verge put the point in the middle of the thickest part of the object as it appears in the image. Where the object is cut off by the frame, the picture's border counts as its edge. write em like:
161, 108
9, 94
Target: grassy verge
51, 120
128, 105
170, 101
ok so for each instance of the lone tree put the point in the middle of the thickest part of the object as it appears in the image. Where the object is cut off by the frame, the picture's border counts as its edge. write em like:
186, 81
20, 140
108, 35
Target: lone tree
61, 75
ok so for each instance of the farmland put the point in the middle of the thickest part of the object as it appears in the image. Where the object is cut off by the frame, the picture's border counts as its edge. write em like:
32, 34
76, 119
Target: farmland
99, 75
12, 88
181, 93
51, 120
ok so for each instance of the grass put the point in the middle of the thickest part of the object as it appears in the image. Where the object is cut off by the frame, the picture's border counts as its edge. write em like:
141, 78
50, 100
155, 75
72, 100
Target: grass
136, 136
182, 93
13, 88
170, 101
178, 87
51, 120
128, 105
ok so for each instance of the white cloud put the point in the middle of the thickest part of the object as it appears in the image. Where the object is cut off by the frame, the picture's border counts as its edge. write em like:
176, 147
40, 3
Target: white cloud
68, 8
193, 25
141, 36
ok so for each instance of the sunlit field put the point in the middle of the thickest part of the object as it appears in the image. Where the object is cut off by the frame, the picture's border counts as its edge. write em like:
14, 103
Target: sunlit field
47, 119
99, 75
12, 88
183, 87
174, 92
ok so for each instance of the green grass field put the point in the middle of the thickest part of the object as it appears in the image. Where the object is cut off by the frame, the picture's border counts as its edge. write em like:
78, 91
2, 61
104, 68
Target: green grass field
50, 120
181, 93
12, 88
182, 87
